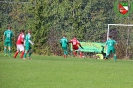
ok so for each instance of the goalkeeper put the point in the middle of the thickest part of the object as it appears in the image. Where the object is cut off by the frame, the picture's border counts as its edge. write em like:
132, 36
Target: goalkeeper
64, 44
110, 43
27, 44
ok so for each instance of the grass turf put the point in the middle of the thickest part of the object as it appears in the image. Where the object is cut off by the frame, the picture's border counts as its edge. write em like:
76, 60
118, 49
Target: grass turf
57, 72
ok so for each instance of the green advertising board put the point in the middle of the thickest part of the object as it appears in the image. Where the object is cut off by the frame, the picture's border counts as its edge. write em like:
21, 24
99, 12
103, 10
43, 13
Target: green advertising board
91, 47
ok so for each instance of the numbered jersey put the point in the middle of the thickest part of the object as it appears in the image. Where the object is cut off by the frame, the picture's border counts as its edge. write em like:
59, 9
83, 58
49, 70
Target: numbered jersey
27, 40
20, 39
8, 35
110, 43
64, 42
75, 43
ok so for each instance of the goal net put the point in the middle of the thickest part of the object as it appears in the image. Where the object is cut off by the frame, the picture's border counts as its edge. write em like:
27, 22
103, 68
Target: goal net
123, 34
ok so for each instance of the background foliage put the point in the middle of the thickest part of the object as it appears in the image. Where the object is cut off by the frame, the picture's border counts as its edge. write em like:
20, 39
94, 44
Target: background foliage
50, 19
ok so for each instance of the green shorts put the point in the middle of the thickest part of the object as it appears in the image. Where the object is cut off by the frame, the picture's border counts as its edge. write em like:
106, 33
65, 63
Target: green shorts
64, 48
109, 51
27, 48
7, 43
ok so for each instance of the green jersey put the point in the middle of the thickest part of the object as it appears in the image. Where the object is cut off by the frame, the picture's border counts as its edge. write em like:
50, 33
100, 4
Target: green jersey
28, 40
64, 42
8, 35
110, 43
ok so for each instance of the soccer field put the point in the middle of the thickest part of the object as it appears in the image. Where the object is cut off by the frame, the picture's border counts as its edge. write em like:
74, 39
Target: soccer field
57, 72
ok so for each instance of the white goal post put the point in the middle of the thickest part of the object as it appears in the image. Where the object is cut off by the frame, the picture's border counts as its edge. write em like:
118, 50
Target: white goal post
129, 25
117, 25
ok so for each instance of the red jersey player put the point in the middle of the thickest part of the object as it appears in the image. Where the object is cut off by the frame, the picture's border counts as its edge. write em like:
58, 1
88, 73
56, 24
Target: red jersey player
75, 45
20, 44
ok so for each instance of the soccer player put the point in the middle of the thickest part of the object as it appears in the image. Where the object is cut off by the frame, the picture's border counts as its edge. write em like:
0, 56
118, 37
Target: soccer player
20, 44
75, 46
64, 43
110, 44
7, 37
28, 44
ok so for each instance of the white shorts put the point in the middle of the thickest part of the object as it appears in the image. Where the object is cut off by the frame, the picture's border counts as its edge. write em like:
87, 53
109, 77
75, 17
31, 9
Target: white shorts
20, 47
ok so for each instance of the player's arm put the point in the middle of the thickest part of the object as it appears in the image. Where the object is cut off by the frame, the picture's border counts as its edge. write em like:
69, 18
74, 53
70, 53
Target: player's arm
22, 40
70, 41
31, 42
67, 42
106, 46
81, 46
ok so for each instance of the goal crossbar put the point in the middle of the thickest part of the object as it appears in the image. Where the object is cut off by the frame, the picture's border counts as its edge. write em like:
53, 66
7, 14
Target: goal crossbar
117, 25
121, 24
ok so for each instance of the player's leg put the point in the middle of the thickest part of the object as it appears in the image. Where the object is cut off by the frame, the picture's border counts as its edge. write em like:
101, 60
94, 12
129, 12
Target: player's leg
25, 54
75, 53
81, 54
108, 53
16, 53
9, 51
5, 50
26, 51
9, 48
22, 51
5, 54
115, 57
65, 51
30, 53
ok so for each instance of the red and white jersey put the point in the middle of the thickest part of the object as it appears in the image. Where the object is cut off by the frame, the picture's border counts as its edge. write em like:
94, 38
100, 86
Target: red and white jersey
20, 39
75, 43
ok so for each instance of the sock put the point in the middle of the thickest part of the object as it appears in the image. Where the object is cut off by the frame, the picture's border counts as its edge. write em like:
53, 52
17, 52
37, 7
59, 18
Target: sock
5, 50
65, 52
75, 54
64, 56
115, 57
25, 55
22, 54
106, 56
81, 54
29, 54
15, 54
9, 52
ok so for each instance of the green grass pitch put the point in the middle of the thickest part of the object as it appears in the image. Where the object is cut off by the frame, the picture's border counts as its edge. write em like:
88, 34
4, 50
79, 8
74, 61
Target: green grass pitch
57, 72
